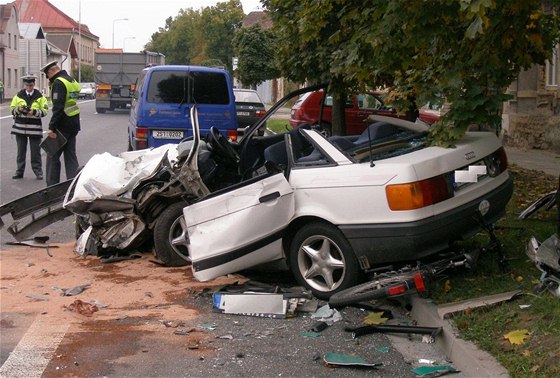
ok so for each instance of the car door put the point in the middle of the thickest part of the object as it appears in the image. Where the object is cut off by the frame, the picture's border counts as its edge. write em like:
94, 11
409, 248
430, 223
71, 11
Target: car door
240, 228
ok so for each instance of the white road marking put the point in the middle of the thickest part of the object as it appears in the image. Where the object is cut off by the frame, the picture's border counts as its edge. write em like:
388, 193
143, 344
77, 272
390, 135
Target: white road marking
35, 349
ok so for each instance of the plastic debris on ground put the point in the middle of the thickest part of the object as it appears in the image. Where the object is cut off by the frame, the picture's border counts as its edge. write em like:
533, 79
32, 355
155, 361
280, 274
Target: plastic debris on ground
73, 290
37, 297
434, 371
82, 308
262, 300
208, 326
310, 334
327, 314
340, 359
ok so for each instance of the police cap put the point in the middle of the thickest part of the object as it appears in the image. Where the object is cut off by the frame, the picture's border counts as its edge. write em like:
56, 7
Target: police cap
28, 78
48, 66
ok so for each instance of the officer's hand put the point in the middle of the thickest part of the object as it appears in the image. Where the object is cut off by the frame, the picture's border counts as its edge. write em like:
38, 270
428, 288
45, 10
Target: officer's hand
21, 110
52, 134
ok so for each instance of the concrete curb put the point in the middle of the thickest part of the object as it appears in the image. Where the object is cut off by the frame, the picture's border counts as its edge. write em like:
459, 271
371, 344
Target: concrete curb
465, 356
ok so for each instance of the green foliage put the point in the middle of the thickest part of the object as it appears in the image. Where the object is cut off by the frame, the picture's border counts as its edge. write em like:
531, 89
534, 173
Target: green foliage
255, 49
467, 51
199, 36
86, 73
218, 25
177, 39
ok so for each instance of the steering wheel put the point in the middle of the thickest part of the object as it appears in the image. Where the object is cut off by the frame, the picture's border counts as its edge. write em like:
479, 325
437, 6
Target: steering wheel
222, 147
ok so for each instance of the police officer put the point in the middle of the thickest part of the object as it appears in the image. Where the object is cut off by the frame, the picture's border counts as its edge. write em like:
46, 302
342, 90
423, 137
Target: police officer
65, 119
28, 107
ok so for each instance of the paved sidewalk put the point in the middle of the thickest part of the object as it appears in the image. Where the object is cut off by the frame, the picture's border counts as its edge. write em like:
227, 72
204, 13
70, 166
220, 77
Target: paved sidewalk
538, 160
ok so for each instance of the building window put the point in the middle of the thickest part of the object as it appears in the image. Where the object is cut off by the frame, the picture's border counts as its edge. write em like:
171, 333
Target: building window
9, 40
16, 78
9, 77
15, 42
552, 68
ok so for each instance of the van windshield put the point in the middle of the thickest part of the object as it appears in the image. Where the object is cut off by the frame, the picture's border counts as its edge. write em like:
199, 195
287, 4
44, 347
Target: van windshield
178, 87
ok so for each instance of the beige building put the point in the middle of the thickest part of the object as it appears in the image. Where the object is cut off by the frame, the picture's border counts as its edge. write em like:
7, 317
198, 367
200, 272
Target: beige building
73, 38
10, 69
532, 118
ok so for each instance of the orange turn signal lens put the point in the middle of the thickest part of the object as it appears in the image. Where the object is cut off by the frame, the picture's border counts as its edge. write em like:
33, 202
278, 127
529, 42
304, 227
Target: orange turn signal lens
418, 194
141, 133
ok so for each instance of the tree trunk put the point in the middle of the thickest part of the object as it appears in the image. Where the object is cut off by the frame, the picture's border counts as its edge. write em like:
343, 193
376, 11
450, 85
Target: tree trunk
338, 115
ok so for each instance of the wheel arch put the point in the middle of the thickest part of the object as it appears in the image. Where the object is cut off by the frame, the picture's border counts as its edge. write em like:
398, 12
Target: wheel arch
297, 224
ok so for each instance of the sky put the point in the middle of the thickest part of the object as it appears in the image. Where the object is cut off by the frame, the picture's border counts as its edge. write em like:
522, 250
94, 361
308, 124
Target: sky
145, 17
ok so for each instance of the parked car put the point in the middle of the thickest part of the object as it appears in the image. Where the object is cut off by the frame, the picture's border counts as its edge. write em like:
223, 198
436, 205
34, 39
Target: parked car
306, 109
248, 107
332, 208
87, 90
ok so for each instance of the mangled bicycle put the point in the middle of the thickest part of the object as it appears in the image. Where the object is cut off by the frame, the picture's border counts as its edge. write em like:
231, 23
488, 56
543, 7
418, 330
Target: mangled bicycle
396, 284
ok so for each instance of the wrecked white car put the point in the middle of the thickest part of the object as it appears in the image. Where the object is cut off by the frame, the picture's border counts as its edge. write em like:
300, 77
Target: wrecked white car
332, 207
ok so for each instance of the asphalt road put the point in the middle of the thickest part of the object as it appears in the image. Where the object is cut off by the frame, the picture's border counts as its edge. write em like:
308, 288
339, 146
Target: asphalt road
99, 133
244, 346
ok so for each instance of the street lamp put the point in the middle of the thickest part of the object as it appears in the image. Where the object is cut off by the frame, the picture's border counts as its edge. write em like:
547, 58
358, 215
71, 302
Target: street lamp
115, 20
124, 40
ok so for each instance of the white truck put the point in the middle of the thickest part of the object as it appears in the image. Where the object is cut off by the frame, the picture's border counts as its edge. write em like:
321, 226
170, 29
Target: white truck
115, 76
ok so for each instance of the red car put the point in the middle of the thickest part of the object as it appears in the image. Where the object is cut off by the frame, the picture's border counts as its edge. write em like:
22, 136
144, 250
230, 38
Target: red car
358, 108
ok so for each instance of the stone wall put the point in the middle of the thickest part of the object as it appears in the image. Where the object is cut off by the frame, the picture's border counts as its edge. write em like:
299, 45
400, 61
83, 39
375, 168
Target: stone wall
533, 131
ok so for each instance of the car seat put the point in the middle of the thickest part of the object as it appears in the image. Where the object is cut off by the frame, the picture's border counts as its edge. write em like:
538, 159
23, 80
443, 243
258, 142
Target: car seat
375, 131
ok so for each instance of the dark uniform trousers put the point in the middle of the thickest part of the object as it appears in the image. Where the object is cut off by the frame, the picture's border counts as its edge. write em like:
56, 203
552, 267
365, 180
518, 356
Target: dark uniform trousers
70, 162
34, 142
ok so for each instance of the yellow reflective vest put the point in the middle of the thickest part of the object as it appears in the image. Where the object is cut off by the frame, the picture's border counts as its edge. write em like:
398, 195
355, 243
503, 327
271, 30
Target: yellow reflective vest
71, 101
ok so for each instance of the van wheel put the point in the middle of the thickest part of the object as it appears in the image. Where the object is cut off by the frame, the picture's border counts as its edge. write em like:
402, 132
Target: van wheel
170, 236
129, 145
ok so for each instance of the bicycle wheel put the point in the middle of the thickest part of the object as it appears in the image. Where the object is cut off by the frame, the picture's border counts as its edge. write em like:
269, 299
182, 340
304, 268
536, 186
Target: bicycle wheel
376, 289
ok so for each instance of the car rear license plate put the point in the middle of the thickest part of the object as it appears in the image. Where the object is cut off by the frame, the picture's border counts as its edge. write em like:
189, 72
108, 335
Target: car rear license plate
166, 134
243, 113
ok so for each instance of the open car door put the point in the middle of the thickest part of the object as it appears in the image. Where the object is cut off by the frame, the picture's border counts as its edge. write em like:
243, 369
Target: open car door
239, 228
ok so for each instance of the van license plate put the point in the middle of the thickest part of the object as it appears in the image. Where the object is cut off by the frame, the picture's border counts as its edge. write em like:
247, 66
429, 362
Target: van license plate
165, 134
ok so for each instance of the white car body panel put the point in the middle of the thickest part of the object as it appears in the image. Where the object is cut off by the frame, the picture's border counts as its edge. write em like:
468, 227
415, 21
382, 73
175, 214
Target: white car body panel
211, 222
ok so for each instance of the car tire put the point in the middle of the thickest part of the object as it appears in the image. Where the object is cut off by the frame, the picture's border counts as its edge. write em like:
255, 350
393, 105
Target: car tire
322, 260
170, 236
99, 110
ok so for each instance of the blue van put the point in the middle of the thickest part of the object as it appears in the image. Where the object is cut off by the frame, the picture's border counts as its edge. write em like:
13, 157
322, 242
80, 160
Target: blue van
160, 110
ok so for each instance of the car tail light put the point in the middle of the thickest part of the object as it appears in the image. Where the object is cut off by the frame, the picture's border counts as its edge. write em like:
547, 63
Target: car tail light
419, 283
141, 133
260, 113
496, 163
297, 113
141, 139
416, 195
232, 135
397, 290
